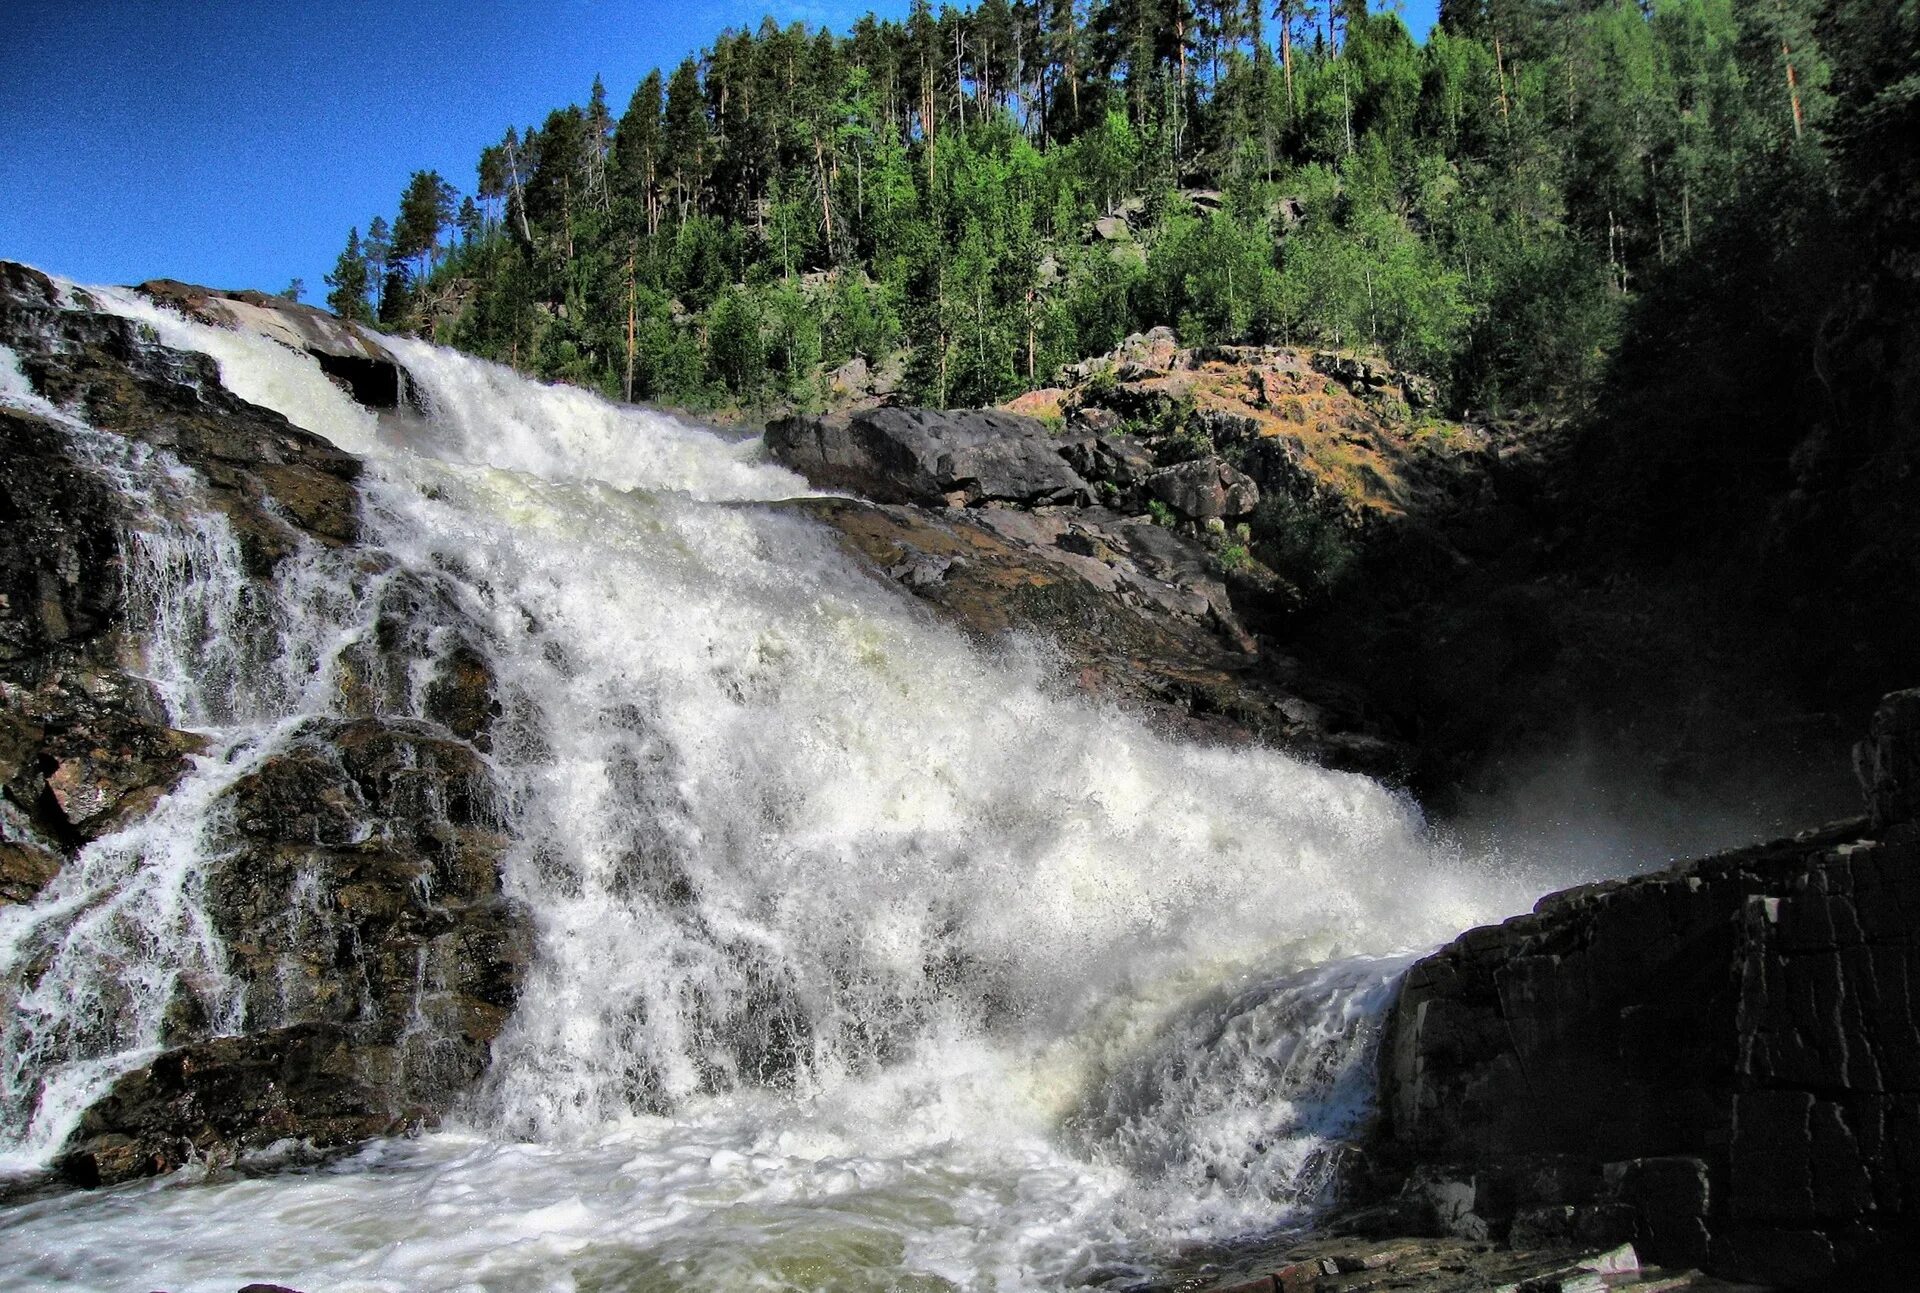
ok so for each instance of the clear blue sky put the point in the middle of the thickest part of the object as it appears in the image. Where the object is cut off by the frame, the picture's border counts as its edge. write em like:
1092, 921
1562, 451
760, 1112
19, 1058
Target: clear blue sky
232, 144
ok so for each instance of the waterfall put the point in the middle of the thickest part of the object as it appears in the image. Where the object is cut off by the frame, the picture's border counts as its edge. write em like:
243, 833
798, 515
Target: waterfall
860, 947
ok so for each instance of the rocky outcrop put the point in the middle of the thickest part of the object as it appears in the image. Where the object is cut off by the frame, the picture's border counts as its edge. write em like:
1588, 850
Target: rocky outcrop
360, 911
1205, 490
1888, 761
922, 456
84, 745
275, 482
1349, 1264
1720, 1061
356, 888
1138, 614
352, 356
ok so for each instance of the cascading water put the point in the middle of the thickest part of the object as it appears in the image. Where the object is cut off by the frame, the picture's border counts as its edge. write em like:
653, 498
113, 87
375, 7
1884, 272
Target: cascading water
865, 957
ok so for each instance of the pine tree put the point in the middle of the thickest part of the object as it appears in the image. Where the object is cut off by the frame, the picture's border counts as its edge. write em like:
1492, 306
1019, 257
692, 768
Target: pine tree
636, 156
426, 209
378, 247
349, 281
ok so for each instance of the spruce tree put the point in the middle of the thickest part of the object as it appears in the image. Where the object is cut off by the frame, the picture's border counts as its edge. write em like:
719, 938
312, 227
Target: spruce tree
349, 281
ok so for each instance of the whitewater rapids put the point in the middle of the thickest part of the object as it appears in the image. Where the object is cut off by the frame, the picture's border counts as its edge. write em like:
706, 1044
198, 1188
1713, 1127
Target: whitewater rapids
1053, 996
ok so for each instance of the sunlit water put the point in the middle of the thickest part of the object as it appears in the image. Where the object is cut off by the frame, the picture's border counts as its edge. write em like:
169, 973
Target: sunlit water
866, 958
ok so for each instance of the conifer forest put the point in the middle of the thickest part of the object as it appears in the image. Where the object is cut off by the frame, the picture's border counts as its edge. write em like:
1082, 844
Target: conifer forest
984, 194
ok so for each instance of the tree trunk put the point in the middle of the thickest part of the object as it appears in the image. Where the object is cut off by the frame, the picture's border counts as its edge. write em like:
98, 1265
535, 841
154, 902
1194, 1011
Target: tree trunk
632, 319
826, 199
1793, 91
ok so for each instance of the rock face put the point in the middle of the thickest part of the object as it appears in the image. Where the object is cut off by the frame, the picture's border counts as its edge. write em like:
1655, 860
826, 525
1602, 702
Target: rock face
1003, 525
1720, 1061
357, 891
1137, 613
84, 745
922, 456
1888, 761
362, 913
1206, 490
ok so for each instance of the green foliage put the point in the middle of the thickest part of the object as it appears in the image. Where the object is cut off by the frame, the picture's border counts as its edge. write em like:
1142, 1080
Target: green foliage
1306, 543
1492, 217
736, 352
1232, 557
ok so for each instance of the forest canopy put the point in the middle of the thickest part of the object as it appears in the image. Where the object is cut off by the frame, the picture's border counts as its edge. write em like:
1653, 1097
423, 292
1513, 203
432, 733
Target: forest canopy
981, 195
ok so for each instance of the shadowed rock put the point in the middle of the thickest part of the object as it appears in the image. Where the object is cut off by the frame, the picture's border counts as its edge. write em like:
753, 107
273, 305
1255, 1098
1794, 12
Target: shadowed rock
1720, 1061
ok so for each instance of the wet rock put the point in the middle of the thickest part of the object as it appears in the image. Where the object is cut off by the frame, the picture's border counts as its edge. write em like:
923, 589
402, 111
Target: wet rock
922, 456
353, 356
25, 869
1138, 613
1723, 1057
84, 746
1347, 1264
214, 1100
276, 483
1205, 490
357, 893
361, 912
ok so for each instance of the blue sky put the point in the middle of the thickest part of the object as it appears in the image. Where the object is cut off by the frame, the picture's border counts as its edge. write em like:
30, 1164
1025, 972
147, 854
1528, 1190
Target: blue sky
232, 144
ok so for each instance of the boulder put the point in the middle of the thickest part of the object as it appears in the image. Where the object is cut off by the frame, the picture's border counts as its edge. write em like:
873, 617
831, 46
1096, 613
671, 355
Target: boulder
922, 456
1152, 351
216, 1100
1205, 489
851, 379
1109, 459
350, 354
1095, 420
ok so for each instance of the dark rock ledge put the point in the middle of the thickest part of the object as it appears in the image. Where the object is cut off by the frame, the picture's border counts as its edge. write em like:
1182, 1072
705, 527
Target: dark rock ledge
1719, 1062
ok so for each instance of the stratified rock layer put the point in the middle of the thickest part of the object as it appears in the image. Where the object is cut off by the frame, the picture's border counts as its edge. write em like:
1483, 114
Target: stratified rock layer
1720, 1061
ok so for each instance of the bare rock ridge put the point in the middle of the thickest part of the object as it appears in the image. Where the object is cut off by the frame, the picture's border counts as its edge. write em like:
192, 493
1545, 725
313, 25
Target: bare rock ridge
387, 823
1719, 1062
1002, 525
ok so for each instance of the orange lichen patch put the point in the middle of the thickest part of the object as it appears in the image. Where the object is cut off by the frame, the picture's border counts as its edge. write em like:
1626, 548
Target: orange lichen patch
1353, 449
1045, 403
1345, 419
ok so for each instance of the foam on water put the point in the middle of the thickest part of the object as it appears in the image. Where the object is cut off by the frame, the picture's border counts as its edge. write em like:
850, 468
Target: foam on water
865, 957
